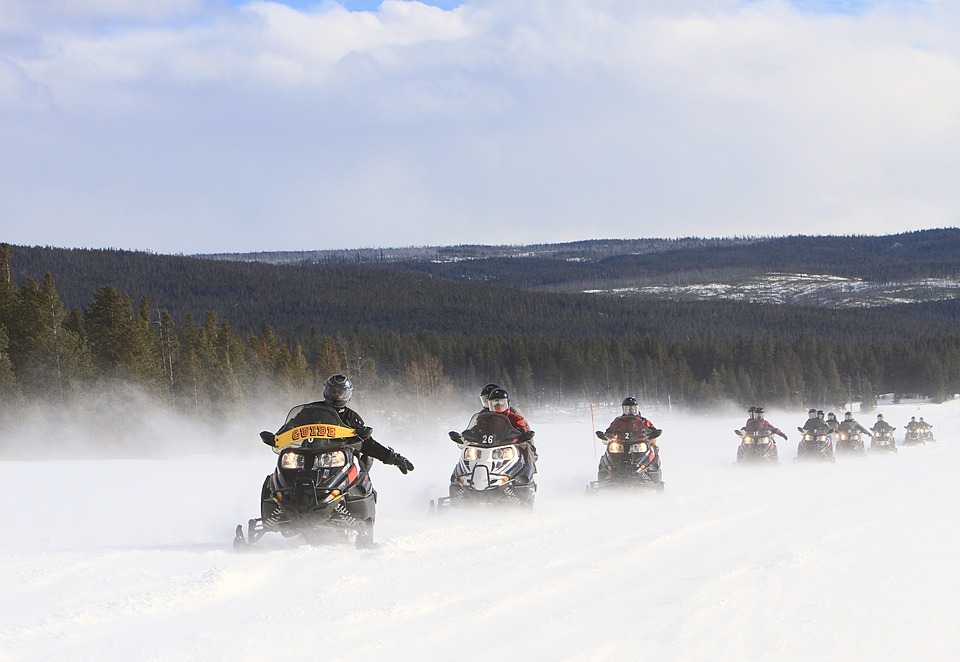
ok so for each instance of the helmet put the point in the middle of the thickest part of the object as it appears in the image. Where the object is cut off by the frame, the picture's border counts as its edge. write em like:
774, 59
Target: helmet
812, 413
337, 390
832, 416
879, 417
751, 410
820, 414
913, 418
758, 413
485, 393
848, 416
499, 400
921, 418
630, 407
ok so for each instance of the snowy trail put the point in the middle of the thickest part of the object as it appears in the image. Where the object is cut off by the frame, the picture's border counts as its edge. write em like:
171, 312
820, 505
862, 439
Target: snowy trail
848, 561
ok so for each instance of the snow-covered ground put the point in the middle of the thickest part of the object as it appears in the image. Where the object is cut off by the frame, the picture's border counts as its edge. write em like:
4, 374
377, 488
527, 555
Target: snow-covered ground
132, 559
803, 289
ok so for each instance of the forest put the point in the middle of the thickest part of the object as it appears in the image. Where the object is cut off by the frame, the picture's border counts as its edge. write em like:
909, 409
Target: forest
196, 332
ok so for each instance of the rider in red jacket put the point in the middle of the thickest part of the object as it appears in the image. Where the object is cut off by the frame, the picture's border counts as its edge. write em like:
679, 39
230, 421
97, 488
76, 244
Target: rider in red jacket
632, 422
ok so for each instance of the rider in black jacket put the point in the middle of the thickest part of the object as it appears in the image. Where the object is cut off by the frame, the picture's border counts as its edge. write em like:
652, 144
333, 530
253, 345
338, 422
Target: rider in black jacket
337, 391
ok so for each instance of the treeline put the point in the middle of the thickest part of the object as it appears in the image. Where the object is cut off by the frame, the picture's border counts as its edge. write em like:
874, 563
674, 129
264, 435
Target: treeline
349, 301
48, 353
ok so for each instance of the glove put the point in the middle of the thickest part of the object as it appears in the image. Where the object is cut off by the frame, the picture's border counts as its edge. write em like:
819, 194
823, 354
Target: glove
400, 461
782, 435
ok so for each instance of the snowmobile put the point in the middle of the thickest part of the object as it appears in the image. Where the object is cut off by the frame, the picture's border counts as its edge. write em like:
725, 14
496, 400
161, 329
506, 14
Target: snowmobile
493, 466
756, 447
850, 442
914, 437
815, 446
630, 460
321, 488
883, 441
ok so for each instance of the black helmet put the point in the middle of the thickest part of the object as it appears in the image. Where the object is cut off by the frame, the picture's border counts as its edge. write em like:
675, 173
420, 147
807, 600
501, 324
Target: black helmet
913, 418
751, 410
820, 414
499, 400
337, 390
811, 413
758, 411
879, 417
848, 416
832, 416
485, 392
630, 407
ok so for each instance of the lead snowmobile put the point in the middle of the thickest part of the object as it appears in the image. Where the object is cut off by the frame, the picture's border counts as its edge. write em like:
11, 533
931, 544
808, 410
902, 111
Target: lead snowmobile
321, 487
756, 447
493, 467
630, 460
815, 445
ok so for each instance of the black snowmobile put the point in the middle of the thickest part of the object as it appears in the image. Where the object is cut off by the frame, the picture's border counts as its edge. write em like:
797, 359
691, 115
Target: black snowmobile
630, 460
493, 466
756, 447
883, 441
321, 487
815, 445
850, 443
913, 437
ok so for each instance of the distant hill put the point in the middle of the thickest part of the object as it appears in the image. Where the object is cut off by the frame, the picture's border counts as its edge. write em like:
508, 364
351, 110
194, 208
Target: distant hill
673, 289
914, 266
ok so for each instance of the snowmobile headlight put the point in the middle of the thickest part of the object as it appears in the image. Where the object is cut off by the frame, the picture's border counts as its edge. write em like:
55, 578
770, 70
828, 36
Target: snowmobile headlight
639, 448
506, 453
844, 436
747, 439
331, 459
808, 437
615, 447
291, 460
471, 453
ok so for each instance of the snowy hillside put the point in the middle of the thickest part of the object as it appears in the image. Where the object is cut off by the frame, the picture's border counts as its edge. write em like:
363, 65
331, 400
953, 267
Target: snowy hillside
801, 289
132, 559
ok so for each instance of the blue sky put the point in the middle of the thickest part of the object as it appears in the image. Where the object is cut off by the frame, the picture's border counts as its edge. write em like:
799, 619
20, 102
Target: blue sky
205, 126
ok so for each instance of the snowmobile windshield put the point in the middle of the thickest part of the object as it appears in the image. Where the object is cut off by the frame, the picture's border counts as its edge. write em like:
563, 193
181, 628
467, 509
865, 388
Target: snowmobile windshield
492, 429
314, 412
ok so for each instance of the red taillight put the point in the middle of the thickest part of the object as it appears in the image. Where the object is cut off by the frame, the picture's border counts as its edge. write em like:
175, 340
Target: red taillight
352, 473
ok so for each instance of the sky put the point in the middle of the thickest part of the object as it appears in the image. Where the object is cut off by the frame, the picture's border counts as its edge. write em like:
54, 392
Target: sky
131, 559
194, 126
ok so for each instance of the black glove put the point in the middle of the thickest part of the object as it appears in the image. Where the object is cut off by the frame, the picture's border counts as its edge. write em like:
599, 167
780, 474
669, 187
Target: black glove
400, 461
783, 435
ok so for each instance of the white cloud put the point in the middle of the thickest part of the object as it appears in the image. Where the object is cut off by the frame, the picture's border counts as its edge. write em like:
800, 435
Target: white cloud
547, 120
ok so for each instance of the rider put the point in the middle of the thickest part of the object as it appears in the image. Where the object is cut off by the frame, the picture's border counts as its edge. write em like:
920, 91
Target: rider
832, 422
850, 426
485, 403
758, 423
337, 391
749, 423
881, 426
815, 423
632, 421
923, 425
912, 426
499, 403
